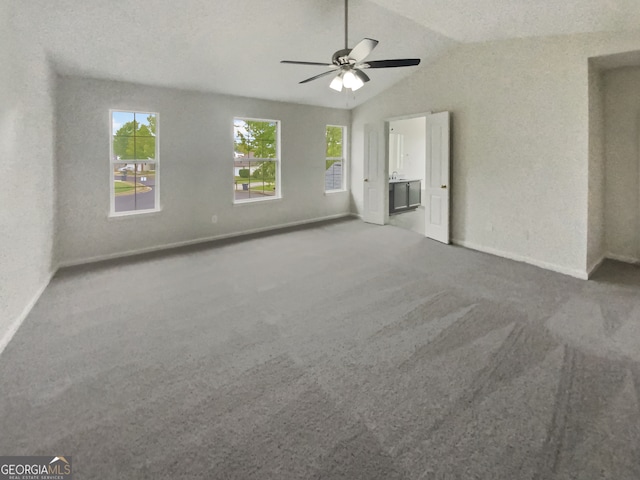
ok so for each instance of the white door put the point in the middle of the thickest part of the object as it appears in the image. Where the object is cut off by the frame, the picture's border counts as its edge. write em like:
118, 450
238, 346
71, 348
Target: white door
373, 182
437, 187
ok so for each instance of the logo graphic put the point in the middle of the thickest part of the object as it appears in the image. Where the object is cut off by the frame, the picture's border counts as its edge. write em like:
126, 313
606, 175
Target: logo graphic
35, 468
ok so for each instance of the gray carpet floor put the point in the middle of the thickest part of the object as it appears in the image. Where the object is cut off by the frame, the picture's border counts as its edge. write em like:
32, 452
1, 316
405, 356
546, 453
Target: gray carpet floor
337, 351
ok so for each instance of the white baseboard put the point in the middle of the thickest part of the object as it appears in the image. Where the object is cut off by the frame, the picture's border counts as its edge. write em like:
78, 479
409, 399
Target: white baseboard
521, 258
167, 246
13, 328
592, 269
623, 258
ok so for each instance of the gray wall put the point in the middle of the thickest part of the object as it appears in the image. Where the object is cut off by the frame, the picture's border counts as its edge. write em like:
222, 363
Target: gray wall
26, 163
622, 134
596, 242
196, 168
520, 154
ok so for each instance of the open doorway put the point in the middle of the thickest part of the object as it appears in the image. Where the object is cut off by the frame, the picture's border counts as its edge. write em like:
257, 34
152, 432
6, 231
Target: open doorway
620, 176
406, 173
418, 174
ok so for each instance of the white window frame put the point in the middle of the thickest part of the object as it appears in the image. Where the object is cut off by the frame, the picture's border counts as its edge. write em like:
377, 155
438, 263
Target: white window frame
343, 159
278, 192
113, 161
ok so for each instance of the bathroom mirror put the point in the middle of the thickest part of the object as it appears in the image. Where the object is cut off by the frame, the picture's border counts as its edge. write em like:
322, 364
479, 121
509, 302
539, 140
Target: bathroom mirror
396, 152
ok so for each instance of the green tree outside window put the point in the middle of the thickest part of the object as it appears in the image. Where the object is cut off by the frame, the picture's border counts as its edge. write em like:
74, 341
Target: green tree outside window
135, 140
255, 139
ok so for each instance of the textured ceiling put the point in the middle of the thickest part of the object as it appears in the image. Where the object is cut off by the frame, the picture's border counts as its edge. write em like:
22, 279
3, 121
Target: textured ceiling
235, 47
484, 20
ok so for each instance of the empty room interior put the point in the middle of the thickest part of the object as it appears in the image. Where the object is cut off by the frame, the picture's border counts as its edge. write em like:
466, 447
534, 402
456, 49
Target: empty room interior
365, 239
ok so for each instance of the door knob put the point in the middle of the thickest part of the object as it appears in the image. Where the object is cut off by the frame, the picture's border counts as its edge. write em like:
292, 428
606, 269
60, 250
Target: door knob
366, 179
443, 186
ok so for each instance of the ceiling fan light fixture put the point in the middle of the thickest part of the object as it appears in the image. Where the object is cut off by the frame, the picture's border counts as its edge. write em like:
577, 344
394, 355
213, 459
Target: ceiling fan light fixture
336, 83
357, 83
349, 79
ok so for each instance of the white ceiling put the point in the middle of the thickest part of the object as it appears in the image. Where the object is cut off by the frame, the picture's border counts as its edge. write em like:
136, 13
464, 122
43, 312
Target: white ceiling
234, 47
484, 20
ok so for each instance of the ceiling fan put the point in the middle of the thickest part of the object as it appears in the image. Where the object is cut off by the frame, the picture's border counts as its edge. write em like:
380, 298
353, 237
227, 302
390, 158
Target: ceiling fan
349, 62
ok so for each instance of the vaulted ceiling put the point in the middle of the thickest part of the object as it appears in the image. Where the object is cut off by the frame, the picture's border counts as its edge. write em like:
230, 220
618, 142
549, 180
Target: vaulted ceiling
235, 47
484, 20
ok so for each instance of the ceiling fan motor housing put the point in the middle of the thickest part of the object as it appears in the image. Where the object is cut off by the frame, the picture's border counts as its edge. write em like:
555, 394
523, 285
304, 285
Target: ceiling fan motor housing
341, 57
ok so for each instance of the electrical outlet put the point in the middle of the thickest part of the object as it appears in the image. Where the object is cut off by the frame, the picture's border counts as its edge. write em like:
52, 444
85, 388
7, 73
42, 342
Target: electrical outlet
214, 219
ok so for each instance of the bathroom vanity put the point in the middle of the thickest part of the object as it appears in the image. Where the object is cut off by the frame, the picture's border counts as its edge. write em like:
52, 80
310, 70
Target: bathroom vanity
403, 195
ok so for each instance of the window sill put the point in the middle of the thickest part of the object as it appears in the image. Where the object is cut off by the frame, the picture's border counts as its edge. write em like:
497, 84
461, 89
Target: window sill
253, 201
333, 192
135, 213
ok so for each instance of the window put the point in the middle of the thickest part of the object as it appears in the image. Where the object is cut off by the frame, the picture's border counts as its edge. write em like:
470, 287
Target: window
134, 162
334, 174
256, 159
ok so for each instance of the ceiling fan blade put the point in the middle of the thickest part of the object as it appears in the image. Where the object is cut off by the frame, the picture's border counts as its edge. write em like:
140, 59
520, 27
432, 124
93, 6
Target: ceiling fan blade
363, 49
361, 75
399, 62
321, 75
294, 62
